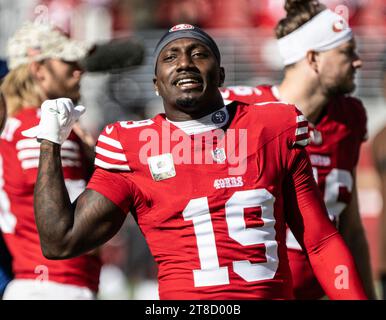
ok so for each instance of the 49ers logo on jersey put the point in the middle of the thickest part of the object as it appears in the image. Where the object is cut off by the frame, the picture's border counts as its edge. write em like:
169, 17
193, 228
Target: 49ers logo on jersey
229, 182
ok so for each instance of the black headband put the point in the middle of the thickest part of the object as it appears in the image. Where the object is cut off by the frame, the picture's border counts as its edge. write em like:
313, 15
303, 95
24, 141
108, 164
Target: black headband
186, 31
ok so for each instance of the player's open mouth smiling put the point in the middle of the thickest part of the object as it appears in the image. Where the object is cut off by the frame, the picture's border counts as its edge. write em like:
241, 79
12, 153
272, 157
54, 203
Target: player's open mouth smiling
188, 83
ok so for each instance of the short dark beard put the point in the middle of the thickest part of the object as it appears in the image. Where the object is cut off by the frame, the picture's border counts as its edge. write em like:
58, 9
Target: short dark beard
186, 103
340, 90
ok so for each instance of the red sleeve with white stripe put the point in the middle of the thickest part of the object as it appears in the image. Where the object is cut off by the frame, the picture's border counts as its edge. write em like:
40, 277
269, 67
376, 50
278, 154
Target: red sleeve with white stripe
109, 151
110, 176
29, 151
302, 136
307, 218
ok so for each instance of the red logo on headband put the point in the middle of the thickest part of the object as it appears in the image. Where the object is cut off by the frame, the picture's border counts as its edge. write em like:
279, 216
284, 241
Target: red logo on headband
338, 26
180, 27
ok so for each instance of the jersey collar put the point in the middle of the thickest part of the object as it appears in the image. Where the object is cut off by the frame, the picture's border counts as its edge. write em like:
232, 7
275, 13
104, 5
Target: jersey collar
212, 121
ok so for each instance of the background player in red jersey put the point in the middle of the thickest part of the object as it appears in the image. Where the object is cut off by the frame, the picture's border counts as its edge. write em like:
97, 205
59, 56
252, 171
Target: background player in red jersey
5, 257
379, 158
320, 59
215, 226
43, 65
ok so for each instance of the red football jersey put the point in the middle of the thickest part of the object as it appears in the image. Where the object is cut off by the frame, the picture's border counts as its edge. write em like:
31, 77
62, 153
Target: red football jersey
334, 152
211, 205
19, 160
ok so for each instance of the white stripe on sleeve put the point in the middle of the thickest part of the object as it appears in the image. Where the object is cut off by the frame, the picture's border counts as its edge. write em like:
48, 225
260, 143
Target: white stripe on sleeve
34, 163
105, 165
110, 142
301, 130
27, 143
70, 163
111, 155
69, 154
303, 142
28, 153
30, 163
68, 144
32, 143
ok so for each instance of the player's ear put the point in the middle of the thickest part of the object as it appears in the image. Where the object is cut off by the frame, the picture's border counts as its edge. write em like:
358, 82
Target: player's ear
312, 58
155, 86
222, 76
35, 68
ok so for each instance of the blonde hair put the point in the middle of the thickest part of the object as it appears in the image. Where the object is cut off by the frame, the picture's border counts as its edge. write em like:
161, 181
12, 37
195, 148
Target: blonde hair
298, 13
20, 90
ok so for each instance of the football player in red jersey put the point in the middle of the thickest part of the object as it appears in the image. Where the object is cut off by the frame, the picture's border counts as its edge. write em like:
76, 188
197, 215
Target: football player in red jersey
42, 64
5, 257
320, 59
207, 185
379, 158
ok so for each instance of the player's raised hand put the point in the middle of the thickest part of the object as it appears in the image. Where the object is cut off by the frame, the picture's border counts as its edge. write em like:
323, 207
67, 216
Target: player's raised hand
57, 119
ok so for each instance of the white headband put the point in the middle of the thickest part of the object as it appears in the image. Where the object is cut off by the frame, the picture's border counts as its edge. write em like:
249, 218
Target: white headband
325, 31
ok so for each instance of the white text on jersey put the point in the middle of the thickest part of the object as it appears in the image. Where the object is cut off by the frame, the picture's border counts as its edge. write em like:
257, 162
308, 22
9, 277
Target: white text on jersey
319, 160
229, 182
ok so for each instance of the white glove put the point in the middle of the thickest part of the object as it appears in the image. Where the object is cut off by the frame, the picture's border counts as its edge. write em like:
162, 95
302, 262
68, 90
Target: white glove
56, 121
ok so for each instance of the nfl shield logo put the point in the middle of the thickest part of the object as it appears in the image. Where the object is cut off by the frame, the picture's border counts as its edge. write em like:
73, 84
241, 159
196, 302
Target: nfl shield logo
219, 155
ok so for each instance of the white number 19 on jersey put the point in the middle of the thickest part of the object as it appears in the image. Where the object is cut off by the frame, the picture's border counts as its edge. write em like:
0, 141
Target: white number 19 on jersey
211, 273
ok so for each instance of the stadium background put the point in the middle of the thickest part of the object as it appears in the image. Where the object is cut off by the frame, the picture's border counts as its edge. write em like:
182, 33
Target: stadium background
244, 32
